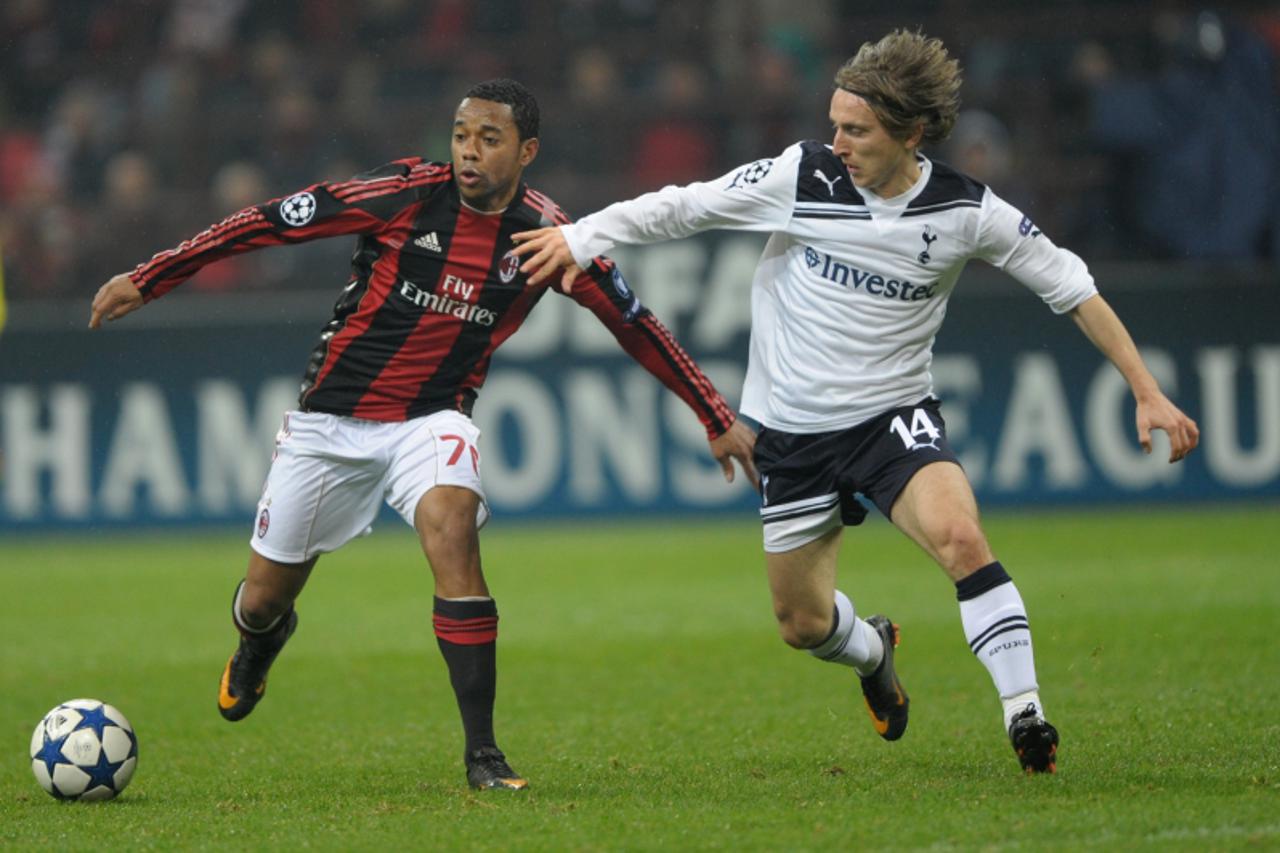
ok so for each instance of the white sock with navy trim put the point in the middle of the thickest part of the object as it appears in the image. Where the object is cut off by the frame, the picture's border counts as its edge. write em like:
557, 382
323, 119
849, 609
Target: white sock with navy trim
1014, 706
852, 641
995, 624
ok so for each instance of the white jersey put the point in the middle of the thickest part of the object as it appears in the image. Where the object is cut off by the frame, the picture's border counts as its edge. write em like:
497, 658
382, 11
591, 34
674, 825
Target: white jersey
851, 289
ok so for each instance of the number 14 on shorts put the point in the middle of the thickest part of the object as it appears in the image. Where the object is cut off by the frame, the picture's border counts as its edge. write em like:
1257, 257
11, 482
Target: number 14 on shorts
921, 433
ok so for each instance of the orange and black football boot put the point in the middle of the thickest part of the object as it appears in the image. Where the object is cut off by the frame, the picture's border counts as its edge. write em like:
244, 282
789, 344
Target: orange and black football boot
1035, 741
887, 702
244, 681
487, 768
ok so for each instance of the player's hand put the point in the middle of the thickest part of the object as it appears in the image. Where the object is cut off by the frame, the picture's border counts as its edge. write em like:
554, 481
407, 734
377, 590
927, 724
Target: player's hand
737, 442
117, 297
547, 252
1158, 412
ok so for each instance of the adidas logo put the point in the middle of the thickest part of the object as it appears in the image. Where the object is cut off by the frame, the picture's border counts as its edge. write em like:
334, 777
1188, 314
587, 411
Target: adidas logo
430, 242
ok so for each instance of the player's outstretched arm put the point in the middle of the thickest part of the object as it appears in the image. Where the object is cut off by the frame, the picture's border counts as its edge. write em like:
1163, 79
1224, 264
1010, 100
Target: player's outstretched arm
737, 442
116, 298
547, 252
758, 196
1155, 411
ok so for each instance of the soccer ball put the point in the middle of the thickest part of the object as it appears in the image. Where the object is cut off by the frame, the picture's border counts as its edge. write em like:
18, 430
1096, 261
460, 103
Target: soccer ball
84, 750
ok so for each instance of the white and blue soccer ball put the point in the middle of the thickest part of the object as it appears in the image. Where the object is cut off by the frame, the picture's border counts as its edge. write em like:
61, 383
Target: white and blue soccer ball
84, 750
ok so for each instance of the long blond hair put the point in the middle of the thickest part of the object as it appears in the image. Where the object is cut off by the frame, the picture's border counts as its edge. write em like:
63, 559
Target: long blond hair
909, 81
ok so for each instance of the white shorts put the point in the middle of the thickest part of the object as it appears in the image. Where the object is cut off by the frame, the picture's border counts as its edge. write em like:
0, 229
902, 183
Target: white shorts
330, 474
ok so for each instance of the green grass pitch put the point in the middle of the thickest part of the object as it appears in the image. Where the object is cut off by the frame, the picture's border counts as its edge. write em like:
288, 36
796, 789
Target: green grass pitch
644, 693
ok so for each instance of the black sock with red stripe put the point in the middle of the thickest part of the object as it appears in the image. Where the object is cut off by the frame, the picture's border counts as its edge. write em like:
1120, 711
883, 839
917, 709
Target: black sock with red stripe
467, 632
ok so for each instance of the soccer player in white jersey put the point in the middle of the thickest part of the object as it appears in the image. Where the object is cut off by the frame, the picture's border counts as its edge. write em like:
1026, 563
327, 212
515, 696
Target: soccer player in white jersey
867, 240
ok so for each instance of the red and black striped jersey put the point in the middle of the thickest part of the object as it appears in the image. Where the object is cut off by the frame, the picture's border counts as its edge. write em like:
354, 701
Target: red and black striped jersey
434, 290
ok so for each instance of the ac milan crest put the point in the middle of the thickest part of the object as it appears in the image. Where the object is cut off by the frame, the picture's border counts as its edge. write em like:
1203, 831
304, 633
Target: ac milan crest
264, 521
508, 267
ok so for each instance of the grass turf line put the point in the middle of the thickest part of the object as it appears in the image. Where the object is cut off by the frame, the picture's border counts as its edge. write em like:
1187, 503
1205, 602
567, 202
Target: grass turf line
646, 696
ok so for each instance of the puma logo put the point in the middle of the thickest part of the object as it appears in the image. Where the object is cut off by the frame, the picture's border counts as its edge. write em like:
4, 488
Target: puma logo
830, 182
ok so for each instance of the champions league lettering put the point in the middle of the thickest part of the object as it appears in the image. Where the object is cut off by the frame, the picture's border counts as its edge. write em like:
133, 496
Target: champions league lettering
442, 304
847, 275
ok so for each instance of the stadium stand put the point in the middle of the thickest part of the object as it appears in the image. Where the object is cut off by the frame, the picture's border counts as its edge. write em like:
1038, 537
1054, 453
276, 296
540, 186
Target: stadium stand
166, 114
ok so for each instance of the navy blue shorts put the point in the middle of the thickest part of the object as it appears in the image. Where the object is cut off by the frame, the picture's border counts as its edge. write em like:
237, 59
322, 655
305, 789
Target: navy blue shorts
809, 481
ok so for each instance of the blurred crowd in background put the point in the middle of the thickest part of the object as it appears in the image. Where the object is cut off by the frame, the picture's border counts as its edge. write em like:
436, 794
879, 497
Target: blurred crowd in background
1127, 130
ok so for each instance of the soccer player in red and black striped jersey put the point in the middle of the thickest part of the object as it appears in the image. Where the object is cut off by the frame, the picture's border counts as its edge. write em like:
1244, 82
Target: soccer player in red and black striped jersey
385, 407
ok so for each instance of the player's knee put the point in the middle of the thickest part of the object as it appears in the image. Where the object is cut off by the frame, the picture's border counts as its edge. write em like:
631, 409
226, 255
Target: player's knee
963, 544
446, 513
446, 524
802, 630
447, 504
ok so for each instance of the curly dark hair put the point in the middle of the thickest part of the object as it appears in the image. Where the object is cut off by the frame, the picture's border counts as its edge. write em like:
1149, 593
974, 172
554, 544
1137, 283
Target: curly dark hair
909, 81
524, 108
